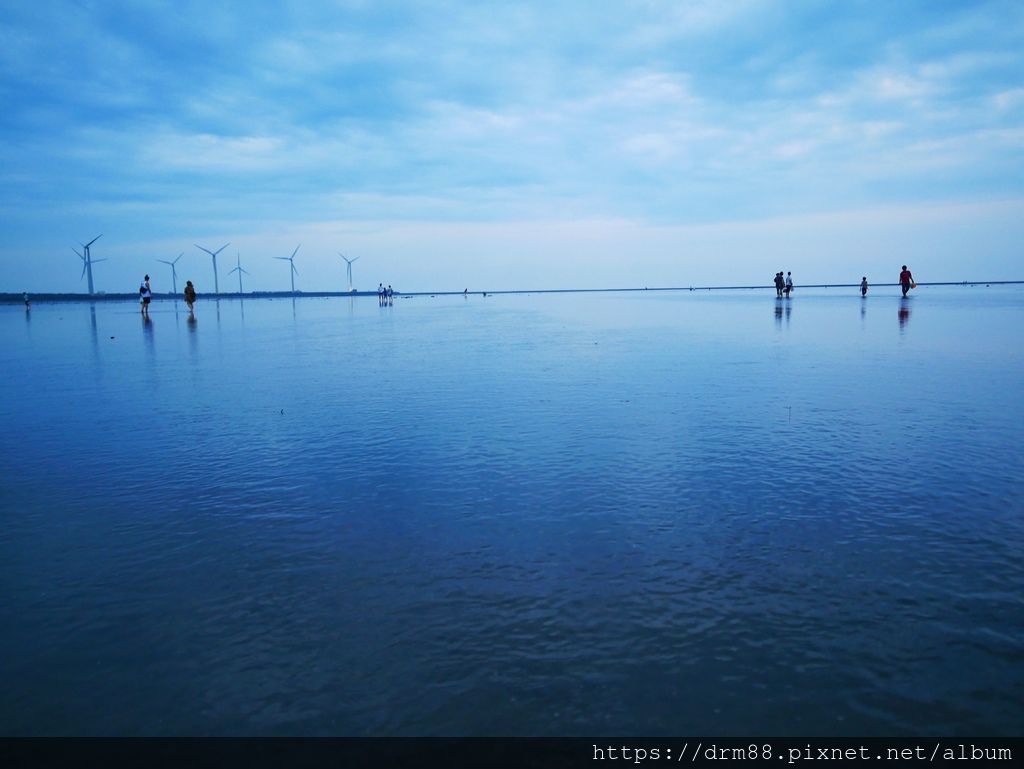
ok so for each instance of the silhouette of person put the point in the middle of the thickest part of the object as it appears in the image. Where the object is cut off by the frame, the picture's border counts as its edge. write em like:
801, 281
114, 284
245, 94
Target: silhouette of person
145, 295
906, 280
864, 286
190, 294
789, 283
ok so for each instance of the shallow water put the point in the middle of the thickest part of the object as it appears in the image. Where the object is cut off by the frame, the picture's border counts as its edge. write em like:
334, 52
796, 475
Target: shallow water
644, 513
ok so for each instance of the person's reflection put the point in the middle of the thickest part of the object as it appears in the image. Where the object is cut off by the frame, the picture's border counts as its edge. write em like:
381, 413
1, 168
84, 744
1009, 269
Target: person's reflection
147, 334
789, 310
904, 312
778, 314
193, 338
241, 305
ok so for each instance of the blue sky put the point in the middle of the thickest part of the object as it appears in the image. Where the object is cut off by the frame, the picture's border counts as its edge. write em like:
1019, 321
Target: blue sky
511, 145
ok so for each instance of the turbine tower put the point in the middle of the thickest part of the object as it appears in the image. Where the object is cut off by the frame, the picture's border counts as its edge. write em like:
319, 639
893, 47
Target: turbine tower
174, 270
291, 259
239, 270
348, 263
87, 260
216, 285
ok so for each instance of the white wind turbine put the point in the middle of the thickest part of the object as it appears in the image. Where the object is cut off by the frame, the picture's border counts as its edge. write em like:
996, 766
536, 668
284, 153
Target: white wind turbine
87, 260
348, 263
239, 270
174, 270
216, 285
291, 259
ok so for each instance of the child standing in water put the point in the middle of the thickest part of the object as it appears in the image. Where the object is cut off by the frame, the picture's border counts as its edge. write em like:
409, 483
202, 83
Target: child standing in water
864, 286
190, 294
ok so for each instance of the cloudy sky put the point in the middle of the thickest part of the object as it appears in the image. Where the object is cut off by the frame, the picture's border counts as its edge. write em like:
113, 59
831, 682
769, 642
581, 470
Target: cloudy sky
511, 145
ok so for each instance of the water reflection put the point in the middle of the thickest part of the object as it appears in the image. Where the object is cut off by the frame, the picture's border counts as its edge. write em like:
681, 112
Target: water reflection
904, 312
147, 333
313, 544
94, 331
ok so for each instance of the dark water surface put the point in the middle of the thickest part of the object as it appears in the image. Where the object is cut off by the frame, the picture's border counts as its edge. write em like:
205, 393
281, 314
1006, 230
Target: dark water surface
582, 514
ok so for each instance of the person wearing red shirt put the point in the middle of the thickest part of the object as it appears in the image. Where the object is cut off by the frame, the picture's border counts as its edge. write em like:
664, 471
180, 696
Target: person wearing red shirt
906, 280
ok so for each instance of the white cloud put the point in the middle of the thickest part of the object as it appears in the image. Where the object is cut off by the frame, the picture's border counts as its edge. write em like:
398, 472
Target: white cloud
1008, 99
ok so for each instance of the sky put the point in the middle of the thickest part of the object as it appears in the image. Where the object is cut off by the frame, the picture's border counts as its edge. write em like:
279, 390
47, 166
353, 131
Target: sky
510, 145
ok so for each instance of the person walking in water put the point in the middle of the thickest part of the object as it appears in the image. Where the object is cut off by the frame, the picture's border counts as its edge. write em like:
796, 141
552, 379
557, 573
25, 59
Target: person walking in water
778, 284
145, 295
391, 295
24, 295
190, 295
864, 286
789, 283
906, 280
380, 294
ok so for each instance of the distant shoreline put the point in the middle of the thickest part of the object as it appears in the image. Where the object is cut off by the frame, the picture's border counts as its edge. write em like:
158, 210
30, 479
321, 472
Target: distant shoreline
10, 298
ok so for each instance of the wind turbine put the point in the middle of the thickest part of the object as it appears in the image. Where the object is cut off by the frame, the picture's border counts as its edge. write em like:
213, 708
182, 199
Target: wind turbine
87, 260
348, 263
216, 285
239, 270
291, 259
174, 270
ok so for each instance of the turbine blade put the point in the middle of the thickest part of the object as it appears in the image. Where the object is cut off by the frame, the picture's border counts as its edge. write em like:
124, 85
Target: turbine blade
203, 249
296, 250
95, 261
294, 270
166, 262
80, 256
231, 271
94, 240
221, 248
283, 258
242, 269
84, 265
179, 257
356, 259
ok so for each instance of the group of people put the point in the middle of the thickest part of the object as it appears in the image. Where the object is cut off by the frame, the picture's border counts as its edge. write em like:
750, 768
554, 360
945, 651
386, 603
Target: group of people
906, 282
146, 296
783, 285
385, 296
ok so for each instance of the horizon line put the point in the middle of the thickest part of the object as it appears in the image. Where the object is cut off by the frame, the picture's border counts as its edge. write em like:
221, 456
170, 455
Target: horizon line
257, 294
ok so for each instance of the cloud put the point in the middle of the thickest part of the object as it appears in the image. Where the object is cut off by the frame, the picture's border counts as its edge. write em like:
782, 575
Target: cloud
183, 119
